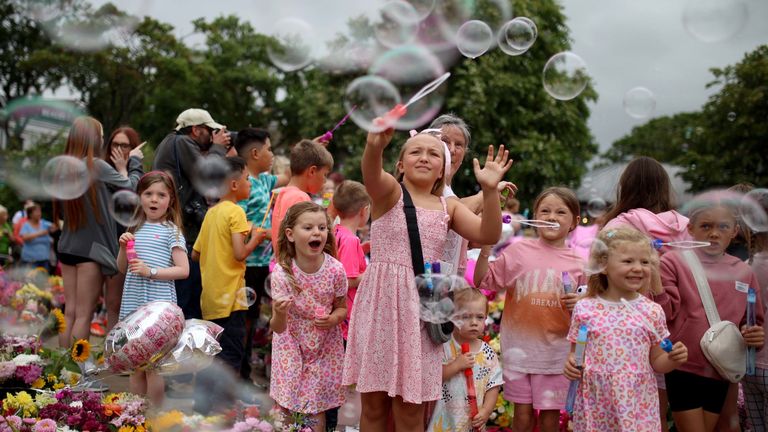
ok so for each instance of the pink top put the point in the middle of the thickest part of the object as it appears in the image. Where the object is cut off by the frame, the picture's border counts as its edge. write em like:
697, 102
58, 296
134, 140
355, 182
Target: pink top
666, 226
534, 323
760, 267
352, 257
287, 197
728, 279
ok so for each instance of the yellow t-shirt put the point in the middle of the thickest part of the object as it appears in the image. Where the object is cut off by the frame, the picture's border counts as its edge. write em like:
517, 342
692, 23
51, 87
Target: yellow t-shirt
222, 275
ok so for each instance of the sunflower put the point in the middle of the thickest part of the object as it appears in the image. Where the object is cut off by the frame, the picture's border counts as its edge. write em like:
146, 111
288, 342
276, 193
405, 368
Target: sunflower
81, 350
61, 324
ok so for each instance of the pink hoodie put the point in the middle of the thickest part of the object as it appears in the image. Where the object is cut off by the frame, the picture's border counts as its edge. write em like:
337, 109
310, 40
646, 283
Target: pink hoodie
666, 226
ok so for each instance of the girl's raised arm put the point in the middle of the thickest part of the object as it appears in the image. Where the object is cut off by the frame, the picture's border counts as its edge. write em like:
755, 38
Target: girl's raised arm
381, 186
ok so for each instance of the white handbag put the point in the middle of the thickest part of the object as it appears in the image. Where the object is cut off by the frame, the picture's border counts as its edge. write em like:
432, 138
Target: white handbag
722, 344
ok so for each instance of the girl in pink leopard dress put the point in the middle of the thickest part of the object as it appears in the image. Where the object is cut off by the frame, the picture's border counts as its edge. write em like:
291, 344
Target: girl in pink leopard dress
390, 357
618, 386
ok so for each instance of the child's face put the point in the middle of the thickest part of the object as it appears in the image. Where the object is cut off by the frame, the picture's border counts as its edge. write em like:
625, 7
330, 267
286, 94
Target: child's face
553, 209
155, 201
422, 160
628, 268
265, 157
716, 226
472, 317
317, 176
242, 186
309, 234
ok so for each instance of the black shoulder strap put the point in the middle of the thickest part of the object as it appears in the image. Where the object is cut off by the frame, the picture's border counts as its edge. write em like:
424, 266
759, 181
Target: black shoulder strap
417, 256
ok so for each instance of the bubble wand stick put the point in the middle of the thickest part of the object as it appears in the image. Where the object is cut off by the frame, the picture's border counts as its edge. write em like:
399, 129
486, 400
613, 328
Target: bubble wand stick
581, 344
751, 300
471, 392
266, 213
329, 135
401, 110
682, 244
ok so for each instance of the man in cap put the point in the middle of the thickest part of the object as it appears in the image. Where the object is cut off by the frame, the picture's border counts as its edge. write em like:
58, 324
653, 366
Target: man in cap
196, 136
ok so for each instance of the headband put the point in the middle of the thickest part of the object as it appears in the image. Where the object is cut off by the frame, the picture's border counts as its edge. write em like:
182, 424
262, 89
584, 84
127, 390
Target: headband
447, 151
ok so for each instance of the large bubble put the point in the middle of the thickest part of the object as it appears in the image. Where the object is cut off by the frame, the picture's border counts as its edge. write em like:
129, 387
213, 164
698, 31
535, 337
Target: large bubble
349, 56
124, 206
397, 23
565, 76
292, 48
714, 20
436, 294
409, 68
520, 33
754, 206
107, 27
598, 255
596, 207
246, 296
371, 96
65, 177
474, 38
639, 102
422, 7
211, 173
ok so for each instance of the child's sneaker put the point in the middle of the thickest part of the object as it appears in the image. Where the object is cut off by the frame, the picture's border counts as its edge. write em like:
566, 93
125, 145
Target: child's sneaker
97, 329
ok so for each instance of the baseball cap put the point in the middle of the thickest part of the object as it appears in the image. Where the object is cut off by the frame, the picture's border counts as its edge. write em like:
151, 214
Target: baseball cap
196, 117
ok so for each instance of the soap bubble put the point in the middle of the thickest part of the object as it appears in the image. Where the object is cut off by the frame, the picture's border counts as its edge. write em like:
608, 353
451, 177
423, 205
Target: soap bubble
731, 116
596, 207
422, 7
108, 26
503, 43
397, 24
373, 97
565, 76
349, 56
474, 38
124, 206
268, 285
292, 48
714, 20
520, 33
211, 173
639, 102
246, 296
436, 295
753, 210
65, 177
598, 255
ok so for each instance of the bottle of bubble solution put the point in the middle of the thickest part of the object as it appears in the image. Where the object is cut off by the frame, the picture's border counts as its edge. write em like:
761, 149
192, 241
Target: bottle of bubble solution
327, 197
130, 250
578, 355
751, 321
428, 275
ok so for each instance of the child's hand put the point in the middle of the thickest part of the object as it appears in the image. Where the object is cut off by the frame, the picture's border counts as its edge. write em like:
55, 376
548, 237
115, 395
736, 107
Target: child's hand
366, 247
480, 419
569, 300
139, 267
571, 371
281, 306
125, 238
380, 139
754, 336
259, 233
511, 187
495, 168
465, 361
679, 353
326, 322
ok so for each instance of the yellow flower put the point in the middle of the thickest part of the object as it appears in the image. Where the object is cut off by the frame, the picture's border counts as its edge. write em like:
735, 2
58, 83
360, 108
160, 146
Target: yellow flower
81, 350
503, 420
167, 420
58, 386
61, 323
39, 383
21, 402
51, 378
126, 428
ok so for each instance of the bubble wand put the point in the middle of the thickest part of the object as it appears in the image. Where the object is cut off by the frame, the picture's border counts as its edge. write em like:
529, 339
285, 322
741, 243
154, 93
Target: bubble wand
751, 300
567, 284
329, 134
401, 110
471, 392
531, 222
682, 244
665, 344
581, 344
266, 213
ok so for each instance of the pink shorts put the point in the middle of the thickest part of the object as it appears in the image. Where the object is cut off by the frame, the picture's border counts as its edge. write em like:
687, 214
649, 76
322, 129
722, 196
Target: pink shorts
544, 392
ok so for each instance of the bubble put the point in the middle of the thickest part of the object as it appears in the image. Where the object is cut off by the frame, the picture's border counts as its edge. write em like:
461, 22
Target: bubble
436, 294
753, 210
409, 68
596, 207
65, 177
639, 102
520, 33
124, 207
422, 7
714, 20
731, 116
474, 38
565, 76
598, 255
107, 26
246, 296
268, 285
439, 30
210, 174
292, 47
372, 96
397, 24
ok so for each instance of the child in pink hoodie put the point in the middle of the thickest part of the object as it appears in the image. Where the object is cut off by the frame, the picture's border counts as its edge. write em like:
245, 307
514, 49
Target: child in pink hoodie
696, 391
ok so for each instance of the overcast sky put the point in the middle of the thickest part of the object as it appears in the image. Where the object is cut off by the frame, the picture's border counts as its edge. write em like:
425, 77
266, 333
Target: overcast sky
625, 43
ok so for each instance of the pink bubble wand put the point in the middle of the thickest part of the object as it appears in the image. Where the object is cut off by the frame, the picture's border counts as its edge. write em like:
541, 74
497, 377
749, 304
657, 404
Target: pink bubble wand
329, 135
401, 110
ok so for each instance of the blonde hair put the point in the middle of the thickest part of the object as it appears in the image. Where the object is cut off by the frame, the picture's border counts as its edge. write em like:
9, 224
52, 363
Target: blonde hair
605, 243
437, 188
286, 249
468, 295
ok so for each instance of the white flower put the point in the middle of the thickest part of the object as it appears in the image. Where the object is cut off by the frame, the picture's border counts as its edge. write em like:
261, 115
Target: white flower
76, 404
493, 416
25, 359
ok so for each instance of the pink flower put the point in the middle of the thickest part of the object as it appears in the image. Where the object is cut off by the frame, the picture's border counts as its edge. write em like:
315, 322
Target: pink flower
7, 369
45, 425
29, 373
264, 427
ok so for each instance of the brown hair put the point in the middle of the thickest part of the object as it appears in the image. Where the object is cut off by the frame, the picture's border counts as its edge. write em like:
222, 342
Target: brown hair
83, 142
643, 184
286, 250
133, 140
469, 294
349, 197
437, 188
306, 154
565, 194
173, 213
606, 242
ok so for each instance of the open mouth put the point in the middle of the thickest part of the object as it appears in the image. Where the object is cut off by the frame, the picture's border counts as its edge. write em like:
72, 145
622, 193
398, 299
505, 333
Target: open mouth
152, 208
315, 244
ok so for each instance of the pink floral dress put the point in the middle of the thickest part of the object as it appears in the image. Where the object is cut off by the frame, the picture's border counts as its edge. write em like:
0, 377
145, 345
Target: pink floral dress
307, 361
618, 389
388, 349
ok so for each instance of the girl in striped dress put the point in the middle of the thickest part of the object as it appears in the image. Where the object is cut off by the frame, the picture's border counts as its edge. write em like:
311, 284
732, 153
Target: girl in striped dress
160, 258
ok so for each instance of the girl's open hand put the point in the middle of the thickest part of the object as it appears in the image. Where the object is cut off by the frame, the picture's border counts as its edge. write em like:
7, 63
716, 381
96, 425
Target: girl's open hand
281, 306
380, 139
571, 371
125, 238
679, 353
496, 165
754, 336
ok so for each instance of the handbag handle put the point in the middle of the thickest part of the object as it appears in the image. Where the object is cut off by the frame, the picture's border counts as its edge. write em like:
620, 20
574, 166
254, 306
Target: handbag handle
417, 256
701, 283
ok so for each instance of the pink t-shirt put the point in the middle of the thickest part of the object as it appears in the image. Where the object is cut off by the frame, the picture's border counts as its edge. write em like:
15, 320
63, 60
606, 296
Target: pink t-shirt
287, 197
534, 323
760, 267
728, 278
352, 257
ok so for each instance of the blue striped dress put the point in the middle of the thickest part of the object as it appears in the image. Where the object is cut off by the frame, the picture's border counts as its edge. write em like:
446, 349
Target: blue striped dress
154, 244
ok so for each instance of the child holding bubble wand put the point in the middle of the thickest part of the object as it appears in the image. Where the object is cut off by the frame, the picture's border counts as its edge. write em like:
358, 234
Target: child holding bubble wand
618, 389
540, 277
309, 288
153, 253
397, 374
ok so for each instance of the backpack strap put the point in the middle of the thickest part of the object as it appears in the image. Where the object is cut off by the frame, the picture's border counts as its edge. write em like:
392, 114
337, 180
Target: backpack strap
417, 256
701, 283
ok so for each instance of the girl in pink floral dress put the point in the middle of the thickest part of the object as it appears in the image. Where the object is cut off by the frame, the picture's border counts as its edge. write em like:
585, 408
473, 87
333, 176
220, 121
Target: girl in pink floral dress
618, 387
390, 358
309, 288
